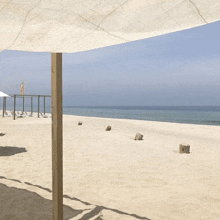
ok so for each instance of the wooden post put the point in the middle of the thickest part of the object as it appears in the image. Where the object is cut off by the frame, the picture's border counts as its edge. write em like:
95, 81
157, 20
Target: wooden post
14, 105
5, 104
3, 108
23, 104
38, 109
44, 105
184, 148
31, 105
57, 135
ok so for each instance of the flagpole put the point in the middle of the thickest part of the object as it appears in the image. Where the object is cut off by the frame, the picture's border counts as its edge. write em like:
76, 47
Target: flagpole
23, 103
57, 135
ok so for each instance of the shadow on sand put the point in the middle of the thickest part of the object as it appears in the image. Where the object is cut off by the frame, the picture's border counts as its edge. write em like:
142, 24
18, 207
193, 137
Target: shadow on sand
1, 134
9, 151
23, 204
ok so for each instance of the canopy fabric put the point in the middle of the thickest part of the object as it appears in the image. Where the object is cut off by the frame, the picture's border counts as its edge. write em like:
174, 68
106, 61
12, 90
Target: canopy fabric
69, 26
2, 94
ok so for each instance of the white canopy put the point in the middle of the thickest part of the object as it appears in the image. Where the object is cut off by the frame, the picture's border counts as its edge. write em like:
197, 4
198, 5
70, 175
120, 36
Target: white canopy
78, 25
2, 94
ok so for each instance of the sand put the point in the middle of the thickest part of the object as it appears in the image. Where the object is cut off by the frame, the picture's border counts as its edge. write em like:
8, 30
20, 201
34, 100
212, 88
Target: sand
107, 174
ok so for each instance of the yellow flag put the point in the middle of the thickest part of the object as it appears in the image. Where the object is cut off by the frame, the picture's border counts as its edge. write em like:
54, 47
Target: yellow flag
22, 88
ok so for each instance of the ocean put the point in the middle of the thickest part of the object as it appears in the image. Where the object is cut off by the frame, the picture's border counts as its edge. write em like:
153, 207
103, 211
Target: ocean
205, 115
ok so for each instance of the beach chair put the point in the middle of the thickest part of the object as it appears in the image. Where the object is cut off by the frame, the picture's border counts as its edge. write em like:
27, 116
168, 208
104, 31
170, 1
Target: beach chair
9, 114
44, 116
27, 114
12, 113
17, 114
21, 113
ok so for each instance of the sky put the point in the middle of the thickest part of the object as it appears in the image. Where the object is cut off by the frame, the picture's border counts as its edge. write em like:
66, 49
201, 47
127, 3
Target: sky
177, 69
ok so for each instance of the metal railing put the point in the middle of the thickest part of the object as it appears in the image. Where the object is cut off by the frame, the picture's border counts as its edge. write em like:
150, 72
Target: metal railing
24, 96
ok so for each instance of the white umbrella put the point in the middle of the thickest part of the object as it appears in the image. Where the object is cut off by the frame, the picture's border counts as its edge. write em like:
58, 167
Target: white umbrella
67, 26
2, 94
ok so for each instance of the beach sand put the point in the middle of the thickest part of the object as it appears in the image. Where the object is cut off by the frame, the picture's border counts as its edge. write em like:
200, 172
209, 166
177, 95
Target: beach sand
107, 174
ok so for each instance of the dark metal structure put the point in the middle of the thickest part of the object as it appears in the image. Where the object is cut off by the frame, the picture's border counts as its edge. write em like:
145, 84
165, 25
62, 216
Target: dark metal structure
24, 96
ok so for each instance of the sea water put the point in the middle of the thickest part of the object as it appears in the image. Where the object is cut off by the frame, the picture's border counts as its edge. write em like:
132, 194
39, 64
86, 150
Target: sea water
206, 115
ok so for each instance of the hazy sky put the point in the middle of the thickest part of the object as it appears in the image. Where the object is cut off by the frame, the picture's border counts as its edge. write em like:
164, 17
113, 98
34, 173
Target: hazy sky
181, 68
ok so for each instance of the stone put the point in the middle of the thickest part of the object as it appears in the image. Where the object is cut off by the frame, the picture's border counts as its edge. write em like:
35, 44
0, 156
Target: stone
108, 128
80, 123
184, 148
138, 136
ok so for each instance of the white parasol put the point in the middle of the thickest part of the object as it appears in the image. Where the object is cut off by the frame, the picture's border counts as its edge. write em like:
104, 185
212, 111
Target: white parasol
2, 94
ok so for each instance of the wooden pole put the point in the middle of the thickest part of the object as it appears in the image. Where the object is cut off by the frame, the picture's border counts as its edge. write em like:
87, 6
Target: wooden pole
3, 109
57, 135
5, 103
14, 105
44, 105
31, 105
38, 109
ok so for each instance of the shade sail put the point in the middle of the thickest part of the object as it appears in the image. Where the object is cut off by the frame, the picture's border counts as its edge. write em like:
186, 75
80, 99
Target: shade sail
2, 94
78, 25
